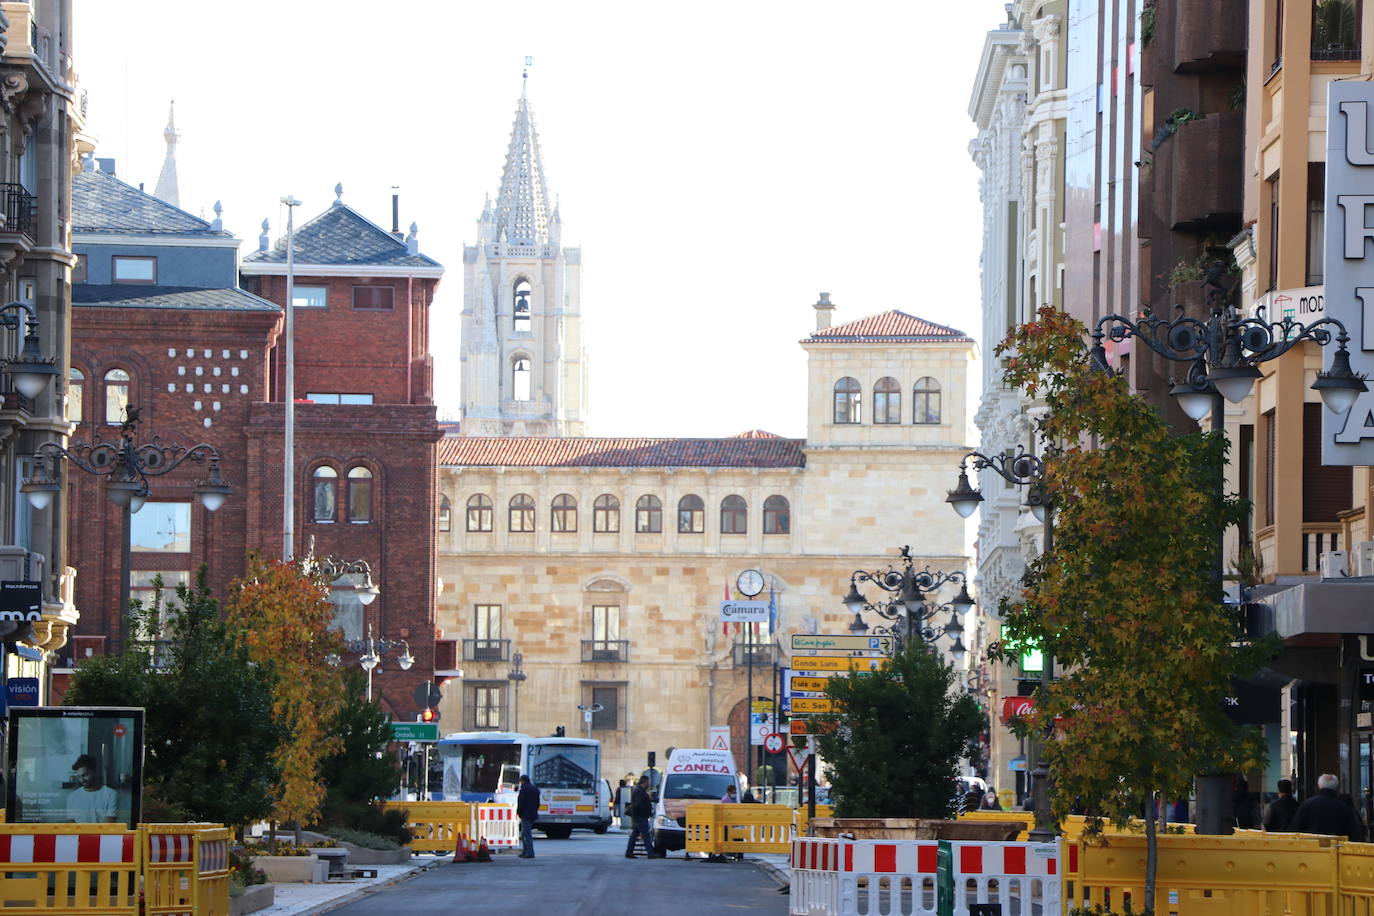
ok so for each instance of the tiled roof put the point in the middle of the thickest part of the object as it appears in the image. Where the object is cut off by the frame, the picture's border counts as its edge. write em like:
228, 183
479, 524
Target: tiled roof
103, 203
890, 325
756, 434
131, 296
541, 452
342, 235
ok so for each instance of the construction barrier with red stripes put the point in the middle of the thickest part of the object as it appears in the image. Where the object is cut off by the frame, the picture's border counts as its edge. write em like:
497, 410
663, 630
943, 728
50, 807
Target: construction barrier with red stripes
438, 826
186, 869
496, 825
842, 877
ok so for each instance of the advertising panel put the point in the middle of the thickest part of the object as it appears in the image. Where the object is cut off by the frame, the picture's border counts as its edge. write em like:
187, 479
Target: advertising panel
81, 765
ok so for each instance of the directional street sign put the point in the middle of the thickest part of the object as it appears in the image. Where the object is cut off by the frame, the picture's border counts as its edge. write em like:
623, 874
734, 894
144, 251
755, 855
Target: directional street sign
414, 731
805, 643
804, 685
809, 705
838, 664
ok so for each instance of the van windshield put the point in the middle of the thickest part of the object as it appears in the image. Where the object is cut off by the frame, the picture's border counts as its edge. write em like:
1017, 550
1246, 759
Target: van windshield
697, 785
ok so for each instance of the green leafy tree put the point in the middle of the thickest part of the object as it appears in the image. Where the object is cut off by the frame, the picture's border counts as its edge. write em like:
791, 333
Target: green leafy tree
1127, 602
208, 731
361, 771
897, 737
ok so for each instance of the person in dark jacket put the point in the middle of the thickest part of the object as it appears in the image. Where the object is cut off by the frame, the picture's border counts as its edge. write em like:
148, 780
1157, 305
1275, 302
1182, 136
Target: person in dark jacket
1281, 810
527, 809
1325, 813
641, 810
1243, 806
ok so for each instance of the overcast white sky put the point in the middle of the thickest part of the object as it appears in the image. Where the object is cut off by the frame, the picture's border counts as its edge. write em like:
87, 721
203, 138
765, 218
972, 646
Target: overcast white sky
720, 163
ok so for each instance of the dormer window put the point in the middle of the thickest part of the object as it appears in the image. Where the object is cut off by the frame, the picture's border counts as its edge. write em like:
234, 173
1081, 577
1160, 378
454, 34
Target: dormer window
134, 270
522, 307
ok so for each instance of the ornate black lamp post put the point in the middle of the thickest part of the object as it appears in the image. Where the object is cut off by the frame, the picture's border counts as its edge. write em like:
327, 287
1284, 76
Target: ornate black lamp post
126, 466
371, 650
910, 611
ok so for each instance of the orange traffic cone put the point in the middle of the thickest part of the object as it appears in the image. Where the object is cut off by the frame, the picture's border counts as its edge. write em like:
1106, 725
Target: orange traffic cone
461, 852
483, 853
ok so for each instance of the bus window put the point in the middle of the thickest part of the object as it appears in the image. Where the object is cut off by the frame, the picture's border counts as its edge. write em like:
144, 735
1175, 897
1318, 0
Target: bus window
565, 766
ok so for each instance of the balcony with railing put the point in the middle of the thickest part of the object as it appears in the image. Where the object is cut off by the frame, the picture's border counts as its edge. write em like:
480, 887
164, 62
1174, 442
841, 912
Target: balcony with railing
486, 650
605, 650
758, 654
18, 210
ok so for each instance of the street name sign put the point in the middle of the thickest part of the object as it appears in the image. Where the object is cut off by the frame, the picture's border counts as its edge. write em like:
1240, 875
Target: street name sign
744, 611
761, 707
837, 663
800, 683
802, 642
807, 727
802, 706
414, 731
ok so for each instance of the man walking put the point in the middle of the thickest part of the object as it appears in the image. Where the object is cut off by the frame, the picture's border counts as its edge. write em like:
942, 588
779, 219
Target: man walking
641, 810
1326, 813
1281, 810
527, 808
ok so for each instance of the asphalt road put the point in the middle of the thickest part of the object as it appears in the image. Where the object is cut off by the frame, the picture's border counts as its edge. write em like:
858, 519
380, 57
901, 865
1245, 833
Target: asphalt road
585, 874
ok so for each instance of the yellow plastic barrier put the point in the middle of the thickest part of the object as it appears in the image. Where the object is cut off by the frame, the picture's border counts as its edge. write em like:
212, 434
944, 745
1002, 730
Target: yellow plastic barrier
75, 869
185, 869
436, 826
720, 829
1209, 875
1025, 817
1355, 878
803, 824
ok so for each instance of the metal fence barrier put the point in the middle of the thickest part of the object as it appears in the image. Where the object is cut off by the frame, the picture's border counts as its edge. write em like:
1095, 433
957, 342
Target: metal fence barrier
185, 869
719, 828
75, 869
436, 826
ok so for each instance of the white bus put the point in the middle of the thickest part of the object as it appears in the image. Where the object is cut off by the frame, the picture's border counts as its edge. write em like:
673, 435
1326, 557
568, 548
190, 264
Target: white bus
487, 766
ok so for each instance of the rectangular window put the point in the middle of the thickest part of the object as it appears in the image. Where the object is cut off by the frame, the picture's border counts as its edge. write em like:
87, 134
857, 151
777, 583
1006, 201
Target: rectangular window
611, 700
309, 297
1327, 490
1335, 30
329, 397
445, 515
373, 297
486, 707
1274, 233
605, 622
1247, 479
161, 527
134, 270
1316, 219
1270, 438
141, 589
79, 269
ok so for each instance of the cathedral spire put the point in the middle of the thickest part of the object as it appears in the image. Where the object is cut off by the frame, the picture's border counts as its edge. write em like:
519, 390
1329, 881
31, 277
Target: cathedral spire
167, 179
522, 204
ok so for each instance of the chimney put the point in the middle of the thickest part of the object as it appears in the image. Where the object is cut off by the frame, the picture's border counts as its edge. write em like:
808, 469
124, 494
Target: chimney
396, 215
824, 311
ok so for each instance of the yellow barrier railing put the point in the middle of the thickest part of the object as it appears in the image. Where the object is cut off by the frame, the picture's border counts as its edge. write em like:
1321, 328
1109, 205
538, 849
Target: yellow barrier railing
802, 823
720, 829
185, 869
70, 869
435, 826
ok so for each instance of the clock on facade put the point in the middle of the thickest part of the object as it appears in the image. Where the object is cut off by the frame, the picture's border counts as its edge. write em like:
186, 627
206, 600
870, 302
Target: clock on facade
750, 582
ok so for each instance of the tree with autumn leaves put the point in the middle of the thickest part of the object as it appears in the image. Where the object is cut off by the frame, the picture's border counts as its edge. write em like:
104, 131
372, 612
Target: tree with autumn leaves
284, 614
1127, 602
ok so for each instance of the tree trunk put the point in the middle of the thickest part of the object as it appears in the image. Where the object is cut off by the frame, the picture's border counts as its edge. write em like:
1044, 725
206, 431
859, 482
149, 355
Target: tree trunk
1151, 849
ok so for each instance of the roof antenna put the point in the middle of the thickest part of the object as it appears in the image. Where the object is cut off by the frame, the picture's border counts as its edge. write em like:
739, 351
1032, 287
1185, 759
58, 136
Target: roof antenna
525, 74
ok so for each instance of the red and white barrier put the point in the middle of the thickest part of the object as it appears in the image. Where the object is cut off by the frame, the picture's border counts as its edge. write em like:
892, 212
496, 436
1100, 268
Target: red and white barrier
497, 825
67, 848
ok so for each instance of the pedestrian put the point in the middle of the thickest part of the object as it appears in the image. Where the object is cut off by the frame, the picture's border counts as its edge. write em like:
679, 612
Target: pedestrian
641, 809
1325, 813
1243, 806
1281, 810
991, 802
730, 794
527, 809
749, 798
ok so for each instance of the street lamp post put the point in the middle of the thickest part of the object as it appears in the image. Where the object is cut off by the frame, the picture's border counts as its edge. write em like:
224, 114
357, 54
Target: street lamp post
1021, 470
516, 677
371, 650
911, 614
126, 466
587, 712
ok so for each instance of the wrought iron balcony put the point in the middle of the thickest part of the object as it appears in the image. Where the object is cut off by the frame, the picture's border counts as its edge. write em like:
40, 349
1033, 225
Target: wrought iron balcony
760, 654
605, 650
486, 650
18, 208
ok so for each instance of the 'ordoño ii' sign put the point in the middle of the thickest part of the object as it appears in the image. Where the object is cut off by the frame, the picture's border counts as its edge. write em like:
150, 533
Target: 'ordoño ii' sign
1348, 439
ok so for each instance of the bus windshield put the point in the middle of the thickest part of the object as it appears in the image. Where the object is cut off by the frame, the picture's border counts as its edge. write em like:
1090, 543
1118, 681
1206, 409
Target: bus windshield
482, 765
697, 785
564, 766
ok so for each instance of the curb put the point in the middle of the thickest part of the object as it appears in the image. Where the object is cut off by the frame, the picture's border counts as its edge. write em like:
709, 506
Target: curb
782, 878
371, 889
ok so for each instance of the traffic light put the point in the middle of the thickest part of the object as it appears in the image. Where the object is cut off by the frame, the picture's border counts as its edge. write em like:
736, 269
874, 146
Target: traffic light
429, 714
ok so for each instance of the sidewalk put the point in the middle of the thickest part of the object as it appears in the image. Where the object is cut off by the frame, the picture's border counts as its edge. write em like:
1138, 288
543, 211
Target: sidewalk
309, 899
777, 866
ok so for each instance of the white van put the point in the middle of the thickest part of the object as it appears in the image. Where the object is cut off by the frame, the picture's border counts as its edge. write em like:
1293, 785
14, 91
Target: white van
693, 774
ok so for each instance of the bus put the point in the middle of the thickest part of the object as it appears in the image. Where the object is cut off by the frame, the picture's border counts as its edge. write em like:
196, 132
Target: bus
487, 766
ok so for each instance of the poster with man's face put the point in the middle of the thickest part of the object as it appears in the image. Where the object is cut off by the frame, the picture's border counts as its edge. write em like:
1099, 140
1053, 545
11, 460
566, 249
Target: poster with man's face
75, 765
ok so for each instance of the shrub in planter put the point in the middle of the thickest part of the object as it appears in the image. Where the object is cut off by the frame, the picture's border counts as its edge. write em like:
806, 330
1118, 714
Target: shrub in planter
364, 839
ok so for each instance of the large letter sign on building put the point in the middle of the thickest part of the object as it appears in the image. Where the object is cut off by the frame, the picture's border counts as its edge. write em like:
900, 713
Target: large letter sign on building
1348, 439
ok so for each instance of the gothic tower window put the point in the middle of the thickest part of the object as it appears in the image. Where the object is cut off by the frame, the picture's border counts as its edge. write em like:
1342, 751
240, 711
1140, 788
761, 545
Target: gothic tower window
521, 513
848, 401
521, 310
926, 401
520, 378
325, 489
887, 401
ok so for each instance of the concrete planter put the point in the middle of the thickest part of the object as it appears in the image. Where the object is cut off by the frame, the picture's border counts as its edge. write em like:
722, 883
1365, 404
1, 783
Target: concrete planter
292, 869
357, 855
254, 898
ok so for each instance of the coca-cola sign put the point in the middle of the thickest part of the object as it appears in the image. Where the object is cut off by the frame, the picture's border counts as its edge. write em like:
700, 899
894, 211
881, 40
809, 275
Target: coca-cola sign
1016, 708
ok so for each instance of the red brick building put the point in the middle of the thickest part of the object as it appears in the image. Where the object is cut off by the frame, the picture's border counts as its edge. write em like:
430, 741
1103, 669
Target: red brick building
161, 323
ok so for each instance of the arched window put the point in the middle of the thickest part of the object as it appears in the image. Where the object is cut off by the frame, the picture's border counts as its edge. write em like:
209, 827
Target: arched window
734, 515
521, 306
520, 378
359, 495
777, 515
848, 401
691, 515
564, 513
445, 514
887, 401
925, 399
116, 396
326, 493
479, 513
649, 515
606, 514
521, 513
76, 390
